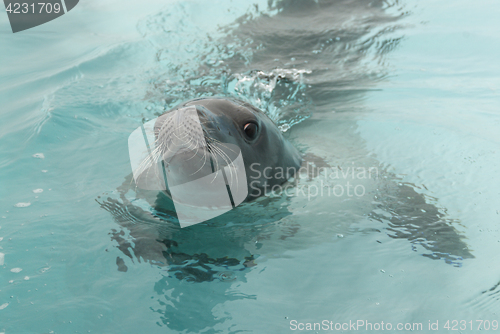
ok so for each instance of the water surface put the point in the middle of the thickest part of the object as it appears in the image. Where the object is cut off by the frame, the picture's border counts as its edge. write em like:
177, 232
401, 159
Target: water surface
410, 89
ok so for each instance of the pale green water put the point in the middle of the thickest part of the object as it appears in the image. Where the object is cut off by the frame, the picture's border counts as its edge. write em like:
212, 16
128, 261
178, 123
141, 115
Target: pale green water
411, 89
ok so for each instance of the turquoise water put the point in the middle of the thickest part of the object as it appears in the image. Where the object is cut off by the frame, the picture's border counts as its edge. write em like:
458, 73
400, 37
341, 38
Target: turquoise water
411, 89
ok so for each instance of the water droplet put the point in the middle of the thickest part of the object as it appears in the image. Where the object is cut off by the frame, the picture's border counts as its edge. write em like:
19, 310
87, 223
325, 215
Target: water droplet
284, 127
226, 276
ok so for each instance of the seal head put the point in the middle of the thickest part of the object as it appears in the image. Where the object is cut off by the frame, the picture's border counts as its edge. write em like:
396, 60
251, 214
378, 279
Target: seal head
228, 127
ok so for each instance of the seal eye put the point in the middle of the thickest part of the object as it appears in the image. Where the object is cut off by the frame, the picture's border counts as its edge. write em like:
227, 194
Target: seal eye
251, 130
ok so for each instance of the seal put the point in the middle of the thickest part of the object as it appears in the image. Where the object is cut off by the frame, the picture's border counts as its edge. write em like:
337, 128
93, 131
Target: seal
229, 127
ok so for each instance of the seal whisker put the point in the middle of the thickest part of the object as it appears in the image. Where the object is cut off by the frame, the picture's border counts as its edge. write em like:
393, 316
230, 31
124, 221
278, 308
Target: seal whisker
196, 146
204, 163
145, 164
227, 161
214, 143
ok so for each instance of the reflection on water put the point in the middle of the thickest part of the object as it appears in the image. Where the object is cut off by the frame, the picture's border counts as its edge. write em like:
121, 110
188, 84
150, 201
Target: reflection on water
414, 216
299, 61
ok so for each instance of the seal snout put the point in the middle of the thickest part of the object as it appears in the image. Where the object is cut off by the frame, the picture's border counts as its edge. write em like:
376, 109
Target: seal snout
181, 133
